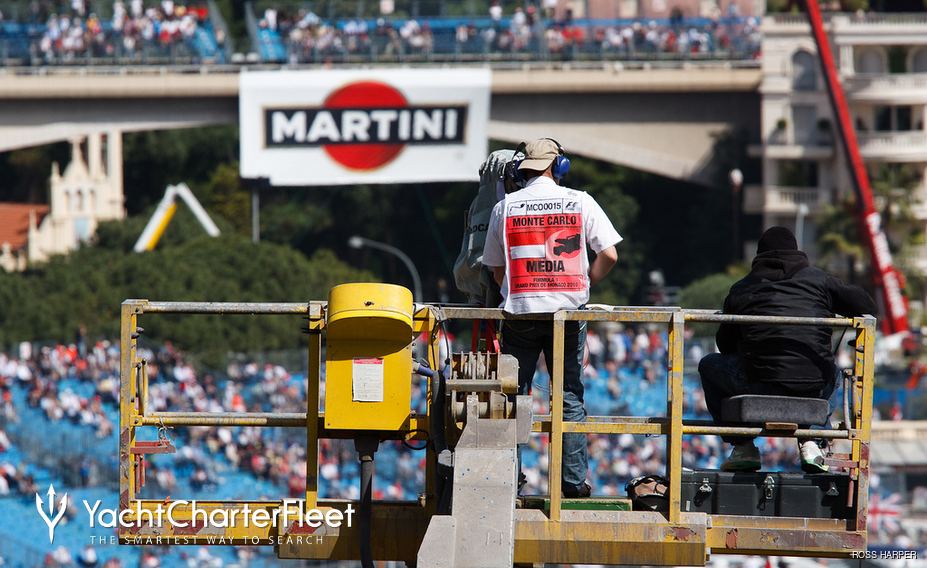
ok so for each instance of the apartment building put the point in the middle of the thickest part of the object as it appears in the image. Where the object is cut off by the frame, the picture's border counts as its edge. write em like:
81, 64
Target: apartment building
882, 64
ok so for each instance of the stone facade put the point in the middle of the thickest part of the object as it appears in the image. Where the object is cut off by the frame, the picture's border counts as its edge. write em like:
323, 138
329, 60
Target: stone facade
82, 196
882, 65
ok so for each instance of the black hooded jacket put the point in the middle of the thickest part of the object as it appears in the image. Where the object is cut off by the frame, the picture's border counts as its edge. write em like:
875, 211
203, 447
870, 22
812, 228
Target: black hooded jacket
782, 283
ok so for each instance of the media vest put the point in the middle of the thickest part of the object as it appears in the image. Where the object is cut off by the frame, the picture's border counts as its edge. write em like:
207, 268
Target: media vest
544, 230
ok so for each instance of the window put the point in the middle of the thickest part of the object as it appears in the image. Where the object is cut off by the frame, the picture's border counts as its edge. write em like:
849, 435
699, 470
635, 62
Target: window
805, 119
919, 61
903, 118
804, 71
870, 60
897, 59
798, 173
893, 119
883, 118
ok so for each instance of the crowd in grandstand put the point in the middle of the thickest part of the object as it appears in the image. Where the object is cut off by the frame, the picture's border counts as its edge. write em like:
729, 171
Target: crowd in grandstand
63, 32
311, 38
625, 374
57, 31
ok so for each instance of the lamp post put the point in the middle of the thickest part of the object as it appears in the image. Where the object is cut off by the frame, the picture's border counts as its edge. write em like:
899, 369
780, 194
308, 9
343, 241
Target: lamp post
358, 242
736, 177
800, 215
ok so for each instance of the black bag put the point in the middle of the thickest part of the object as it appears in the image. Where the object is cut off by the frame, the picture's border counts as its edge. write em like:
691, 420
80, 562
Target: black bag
648, 493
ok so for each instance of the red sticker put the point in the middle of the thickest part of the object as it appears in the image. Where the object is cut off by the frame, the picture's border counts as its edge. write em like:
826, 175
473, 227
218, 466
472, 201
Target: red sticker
545, 247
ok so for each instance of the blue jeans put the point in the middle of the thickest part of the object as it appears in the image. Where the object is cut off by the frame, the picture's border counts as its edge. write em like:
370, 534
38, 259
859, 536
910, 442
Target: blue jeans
723, 377
526, 340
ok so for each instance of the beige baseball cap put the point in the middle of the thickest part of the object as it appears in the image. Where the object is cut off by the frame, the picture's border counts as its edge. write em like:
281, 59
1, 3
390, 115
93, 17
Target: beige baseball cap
539, 154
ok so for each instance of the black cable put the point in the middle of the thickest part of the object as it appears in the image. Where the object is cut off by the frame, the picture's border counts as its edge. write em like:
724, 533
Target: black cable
447, 341
436, 416
406, 443
364, 514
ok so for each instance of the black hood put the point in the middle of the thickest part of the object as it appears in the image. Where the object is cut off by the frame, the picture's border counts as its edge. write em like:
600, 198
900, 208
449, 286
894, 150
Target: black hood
778, 265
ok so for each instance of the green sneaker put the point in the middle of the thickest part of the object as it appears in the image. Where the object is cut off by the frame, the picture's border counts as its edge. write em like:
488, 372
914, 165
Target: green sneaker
812, 457
744, 457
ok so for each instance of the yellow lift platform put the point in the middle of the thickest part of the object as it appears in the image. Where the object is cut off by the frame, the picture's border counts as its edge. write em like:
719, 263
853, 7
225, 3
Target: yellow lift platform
368, 360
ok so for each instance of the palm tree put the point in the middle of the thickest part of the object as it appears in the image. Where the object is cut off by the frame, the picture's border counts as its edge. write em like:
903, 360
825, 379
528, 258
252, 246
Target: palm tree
838, 241
839, 228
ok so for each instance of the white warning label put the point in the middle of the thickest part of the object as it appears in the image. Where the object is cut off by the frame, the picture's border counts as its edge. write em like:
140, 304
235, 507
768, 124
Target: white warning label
368, 379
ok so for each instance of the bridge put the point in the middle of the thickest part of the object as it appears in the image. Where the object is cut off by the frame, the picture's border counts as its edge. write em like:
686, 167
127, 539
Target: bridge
656, 119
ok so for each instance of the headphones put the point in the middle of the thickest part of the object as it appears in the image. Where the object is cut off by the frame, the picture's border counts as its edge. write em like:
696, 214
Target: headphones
561, 165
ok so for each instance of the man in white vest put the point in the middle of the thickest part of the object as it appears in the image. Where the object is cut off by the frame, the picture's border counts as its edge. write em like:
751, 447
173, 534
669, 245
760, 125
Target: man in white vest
536, 246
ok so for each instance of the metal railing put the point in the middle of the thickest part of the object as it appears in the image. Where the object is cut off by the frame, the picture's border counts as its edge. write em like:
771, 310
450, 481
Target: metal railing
673, 426
851, 18
834, 536
886, 83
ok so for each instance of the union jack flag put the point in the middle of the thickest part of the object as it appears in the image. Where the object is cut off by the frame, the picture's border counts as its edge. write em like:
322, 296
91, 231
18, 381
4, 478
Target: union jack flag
885, 513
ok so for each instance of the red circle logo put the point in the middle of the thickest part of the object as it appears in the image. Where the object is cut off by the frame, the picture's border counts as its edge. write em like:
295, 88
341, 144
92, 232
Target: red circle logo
365, 95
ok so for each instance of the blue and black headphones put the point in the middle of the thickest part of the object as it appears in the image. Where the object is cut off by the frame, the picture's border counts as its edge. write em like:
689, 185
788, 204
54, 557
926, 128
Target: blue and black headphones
561, 166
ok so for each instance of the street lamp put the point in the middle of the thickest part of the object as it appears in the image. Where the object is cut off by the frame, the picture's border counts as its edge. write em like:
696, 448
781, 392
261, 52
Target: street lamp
736, 177
358, 242
800, 224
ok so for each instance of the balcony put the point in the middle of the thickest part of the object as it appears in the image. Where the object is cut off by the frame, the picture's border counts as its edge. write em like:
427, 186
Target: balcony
782, 145
900, 89
780, 199
856, 29
874, 28
909, 146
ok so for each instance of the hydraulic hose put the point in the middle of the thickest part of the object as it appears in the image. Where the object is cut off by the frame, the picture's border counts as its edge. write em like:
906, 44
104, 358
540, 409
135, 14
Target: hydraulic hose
366, 447
436, 426
367, 469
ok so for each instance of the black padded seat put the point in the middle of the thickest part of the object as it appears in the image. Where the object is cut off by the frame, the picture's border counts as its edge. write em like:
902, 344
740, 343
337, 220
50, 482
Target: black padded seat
762, 409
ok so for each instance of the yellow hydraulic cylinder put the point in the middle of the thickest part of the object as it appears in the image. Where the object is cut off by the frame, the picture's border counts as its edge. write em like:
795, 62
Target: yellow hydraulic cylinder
368, 361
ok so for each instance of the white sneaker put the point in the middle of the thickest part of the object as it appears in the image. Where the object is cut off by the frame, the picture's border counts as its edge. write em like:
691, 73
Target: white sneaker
744, 457
812, 457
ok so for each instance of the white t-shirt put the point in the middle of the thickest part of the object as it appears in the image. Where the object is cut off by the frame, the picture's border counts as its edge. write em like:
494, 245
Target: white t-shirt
540, 234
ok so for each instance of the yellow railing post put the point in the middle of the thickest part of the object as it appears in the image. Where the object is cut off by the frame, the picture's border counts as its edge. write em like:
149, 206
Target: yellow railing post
128, 398
674, 395
862, 413
312, 411
555, 466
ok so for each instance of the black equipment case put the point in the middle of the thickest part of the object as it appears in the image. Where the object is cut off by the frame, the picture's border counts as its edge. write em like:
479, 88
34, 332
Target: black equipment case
766, 494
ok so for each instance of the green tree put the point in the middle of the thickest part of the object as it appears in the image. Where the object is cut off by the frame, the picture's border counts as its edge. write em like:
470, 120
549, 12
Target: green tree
87, 287
225, 195
24, 173
602, 183
839, 242
708, 293
152, 160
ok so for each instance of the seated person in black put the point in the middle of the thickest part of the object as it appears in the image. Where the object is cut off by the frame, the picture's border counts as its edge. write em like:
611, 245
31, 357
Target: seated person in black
766, 359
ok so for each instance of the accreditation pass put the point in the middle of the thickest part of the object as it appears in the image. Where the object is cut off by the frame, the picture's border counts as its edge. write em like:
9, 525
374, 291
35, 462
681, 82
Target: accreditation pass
367, 376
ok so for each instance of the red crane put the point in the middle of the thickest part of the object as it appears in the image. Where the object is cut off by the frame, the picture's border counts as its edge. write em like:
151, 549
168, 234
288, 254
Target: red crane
887, 278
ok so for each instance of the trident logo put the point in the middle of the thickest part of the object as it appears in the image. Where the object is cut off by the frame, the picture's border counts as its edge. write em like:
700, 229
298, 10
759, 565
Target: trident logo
53, 521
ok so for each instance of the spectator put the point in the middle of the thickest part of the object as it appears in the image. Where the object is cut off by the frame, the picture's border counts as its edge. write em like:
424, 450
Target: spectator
87, 557
777, 360
495, 13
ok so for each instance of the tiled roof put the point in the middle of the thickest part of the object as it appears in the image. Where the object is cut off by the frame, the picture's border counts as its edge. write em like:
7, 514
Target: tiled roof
14, 222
